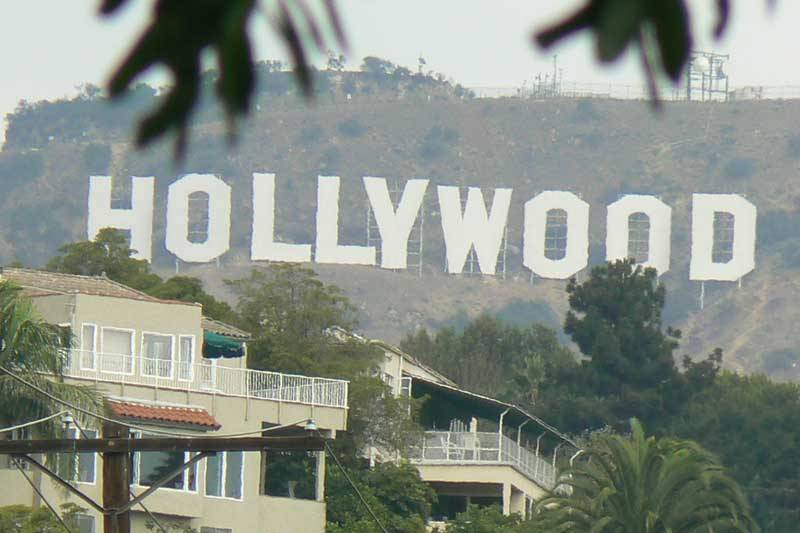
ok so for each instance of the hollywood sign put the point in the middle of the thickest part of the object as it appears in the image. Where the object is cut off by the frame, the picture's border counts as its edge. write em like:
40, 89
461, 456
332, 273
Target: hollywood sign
466, 226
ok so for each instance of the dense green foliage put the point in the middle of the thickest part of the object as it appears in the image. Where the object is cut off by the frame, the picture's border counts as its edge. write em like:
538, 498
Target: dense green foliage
753, 424
33, 349
110, 255
24, 519
494, 358
395, 493
641, 484
488, 519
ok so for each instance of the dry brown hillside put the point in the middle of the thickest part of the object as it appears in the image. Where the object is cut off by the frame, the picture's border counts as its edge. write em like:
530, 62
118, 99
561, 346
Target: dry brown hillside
597, 148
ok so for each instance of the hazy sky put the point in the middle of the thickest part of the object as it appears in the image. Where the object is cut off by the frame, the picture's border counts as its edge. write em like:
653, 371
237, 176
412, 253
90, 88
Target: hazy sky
49, 47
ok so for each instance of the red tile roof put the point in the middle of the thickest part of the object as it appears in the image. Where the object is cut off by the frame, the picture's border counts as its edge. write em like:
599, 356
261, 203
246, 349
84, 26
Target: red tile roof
164, 414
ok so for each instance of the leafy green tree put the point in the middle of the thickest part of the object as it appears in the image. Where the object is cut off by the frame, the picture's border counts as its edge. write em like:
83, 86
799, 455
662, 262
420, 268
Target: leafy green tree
615, 319
753, 424
640, 484
190, 289
24, 519
395, 493
300, 325
32, 349
489, 519
629, 369
492, 357
290, 313
108, 254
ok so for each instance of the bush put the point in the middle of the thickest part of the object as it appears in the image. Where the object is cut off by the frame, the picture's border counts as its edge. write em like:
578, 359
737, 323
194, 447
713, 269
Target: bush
97, 158
351, 128
437, 142
584, 111
740, 168
793, 146
19, 168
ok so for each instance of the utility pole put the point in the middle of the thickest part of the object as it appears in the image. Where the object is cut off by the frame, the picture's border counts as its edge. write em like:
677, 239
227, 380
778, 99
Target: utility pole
117, 447
116, 483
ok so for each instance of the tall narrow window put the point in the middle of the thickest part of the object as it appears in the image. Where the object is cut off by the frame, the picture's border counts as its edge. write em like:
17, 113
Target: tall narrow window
157, 355
225, 474
117, 351
186, 357
722, 250
198, 217
639, 237
555, 234
88, 347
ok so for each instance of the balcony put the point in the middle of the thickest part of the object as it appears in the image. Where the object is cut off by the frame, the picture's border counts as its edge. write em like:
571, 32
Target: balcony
206, 378
483, 448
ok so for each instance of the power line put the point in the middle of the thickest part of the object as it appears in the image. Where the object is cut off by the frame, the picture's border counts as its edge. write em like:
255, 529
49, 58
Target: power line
144, 429
141, 503
355, 488
33, 423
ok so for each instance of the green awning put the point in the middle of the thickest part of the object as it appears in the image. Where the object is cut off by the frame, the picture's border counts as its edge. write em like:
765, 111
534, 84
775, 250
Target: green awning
216, 346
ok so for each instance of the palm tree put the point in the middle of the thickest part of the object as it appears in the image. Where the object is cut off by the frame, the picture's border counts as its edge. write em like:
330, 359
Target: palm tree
35, 351
641, 484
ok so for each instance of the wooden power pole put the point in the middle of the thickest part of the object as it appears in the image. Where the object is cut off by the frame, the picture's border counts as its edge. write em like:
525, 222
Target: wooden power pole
117, 447
116, 483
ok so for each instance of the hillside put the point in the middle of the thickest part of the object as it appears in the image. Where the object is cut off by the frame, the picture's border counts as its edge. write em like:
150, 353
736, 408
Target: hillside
596, 148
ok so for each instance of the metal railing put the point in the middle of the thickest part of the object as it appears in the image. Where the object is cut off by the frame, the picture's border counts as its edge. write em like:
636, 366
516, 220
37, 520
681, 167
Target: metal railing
206, 377
448, 447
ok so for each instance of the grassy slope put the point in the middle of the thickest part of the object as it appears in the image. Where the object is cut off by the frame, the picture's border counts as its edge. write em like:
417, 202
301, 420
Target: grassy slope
599, 149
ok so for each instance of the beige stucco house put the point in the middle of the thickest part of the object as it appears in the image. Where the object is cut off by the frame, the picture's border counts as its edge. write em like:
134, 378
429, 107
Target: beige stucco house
147, 357
475, 449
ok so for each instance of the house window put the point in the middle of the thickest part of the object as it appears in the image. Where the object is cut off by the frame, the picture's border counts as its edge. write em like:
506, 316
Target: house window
88, 347
639, 237
186, 357
84, 523
225, 475
555, 234
79, 467
150, 467
157, 355
290, 475
117, 351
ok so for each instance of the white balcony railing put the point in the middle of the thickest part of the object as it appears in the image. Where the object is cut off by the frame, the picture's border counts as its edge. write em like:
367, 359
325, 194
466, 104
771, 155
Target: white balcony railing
448, 447
206, 377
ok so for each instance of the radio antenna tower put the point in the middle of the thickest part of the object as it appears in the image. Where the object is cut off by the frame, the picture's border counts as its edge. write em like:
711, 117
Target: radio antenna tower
706, 79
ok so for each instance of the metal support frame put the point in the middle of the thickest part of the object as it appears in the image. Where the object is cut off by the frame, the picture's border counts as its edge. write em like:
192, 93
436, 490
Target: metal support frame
41, 496
519, 432
55, 477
